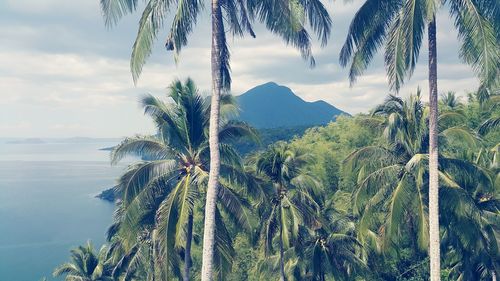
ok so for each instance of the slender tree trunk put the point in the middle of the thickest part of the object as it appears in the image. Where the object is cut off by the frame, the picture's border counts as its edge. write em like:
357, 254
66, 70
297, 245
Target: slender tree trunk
187, 252
151, 272
282, 253
213, 179
279, 188
282, 250
434, 251
414, 236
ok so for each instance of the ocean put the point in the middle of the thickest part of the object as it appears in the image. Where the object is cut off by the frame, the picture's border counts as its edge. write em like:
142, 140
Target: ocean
48, 204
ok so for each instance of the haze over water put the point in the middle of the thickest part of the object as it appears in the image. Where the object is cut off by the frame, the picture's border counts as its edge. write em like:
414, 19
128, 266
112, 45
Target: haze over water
48, 204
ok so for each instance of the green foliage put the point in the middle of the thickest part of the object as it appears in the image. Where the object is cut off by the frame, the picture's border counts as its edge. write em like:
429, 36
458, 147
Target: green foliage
342, 202
267, 137
330, 145
86, 265
159, 195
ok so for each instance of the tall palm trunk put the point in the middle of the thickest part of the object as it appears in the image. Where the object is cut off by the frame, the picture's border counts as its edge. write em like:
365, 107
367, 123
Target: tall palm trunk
213, 179
282, 251
434, 251
187, 251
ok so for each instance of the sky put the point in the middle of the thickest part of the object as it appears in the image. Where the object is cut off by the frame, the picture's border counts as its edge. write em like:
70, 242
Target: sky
64, 74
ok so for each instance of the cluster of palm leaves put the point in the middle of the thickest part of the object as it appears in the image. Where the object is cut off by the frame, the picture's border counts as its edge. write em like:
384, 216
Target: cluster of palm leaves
302, 236
400, 24
391, 200
163, 194
288, 215
398, 27
161, 197
86, 265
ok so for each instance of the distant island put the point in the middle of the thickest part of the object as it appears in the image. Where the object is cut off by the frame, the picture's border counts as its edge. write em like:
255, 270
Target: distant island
107, 195
27, 141
75, 140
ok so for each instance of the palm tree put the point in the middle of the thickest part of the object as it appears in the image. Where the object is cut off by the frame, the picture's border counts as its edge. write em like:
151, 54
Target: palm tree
328, 248
86, 265
492, 120
291, 202
450, 101
400, 25
391, 176
159, 194
134, 260
471, 228
284, 18
332, 249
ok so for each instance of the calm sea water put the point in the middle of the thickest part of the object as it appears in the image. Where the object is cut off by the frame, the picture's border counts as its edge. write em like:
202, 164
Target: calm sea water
47, 204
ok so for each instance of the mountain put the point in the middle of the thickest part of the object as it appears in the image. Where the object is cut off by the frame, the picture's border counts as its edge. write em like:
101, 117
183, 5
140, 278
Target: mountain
273, 106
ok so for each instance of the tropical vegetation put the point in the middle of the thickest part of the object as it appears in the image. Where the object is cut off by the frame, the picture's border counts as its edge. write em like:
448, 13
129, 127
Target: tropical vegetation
409, 191
287, 20
346, 201
401, 25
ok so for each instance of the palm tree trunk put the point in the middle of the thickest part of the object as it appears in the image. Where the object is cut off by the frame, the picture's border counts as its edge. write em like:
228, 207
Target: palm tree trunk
213, 179
282, 251
434, 251
187, 251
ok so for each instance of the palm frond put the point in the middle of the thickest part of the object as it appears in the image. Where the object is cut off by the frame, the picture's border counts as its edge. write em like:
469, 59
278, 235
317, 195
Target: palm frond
167, 216
479, 40
114, 10
286, 19
394, 57
465, 169
149, 25
462, 134
66, 268
141, 174
236, 207
490, 124
185, 205
234, 130
166, 118
182, 25
367, 32
360, 156
319, 19
143, 146
224, 252
270, 228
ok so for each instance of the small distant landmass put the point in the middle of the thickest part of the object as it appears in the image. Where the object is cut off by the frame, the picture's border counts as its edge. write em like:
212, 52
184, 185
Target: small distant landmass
84, 140
27, 141
59, 140
107, 195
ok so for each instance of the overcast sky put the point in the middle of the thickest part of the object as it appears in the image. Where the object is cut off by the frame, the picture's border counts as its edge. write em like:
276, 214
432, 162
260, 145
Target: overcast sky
63, 74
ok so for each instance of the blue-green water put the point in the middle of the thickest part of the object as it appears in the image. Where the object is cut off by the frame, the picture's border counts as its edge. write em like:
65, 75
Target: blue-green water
47, 204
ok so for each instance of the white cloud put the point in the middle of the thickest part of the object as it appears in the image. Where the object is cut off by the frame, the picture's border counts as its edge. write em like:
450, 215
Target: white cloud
43, 7
62, 71
20, 125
